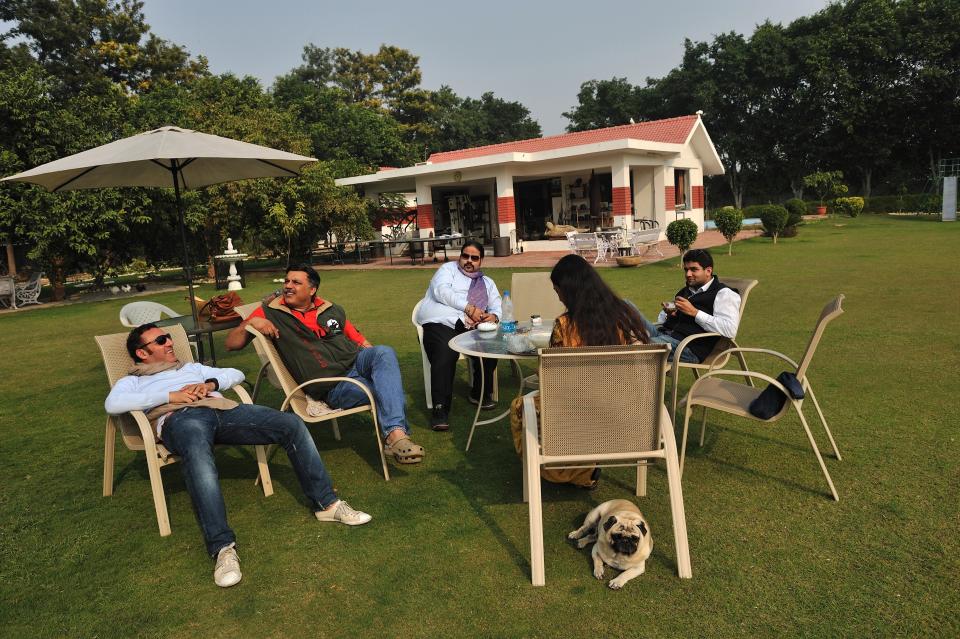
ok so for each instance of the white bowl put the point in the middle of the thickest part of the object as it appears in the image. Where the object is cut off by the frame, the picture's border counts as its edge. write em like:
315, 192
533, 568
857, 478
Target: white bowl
487, 327
540, 339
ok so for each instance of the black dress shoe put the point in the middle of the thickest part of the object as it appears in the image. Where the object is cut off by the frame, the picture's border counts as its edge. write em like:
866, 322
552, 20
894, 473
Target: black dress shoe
486, 404
439, 419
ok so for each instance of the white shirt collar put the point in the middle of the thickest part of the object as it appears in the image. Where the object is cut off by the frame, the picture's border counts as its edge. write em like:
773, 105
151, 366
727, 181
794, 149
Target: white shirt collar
702, 288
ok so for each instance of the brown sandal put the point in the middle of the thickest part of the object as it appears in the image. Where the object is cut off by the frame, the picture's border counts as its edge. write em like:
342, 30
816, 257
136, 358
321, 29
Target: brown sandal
404, 451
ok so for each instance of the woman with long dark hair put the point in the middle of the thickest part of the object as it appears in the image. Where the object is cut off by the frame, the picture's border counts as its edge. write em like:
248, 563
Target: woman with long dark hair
596, 316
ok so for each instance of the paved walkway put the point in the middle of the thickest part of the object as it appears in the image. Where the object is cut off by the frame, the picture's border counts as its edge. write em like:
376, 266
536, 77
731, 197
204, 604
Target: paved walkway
537, 259
532, 259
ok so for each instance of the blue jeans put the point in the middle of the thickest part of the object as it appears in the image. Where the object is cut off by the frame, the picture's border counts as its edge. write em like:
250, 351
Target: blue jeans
378, 369
662, 338
191, 434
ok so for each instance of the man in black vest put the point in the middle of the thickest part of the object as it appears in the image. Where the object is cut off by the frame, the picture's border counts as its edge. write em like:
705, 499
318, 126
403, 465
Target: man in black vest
704, 305
315, 339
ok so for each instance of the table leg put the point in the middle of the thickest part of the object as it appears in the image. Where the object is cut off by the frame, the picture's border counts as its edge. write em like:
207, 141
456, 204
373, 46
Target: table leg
476, 418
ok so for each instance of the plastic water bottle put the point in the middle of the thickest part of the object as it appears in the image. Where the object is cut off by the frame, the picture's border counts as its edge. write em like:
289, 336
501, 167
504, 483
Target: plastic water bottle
508, 324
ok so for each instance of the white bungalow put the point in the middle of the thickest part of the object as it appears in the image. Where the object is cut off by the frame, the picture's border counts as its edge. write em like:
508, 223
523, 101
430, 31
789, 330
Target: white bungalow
599, 178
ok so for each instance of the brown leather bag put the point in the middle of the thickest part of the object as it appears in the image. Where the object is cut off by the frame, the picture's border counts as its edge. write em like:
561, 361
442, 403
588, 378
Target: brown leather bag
220, 307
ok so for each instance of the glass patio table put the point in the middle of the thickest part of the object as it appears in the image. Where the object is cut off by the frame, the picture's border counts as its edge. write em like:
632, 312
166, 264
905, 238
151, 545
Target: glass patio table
474, 344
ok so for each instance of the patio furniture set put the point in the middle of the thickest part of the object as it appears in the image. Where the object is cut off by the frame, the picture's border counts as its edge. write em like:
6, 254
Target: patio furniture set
610, 243
598, 405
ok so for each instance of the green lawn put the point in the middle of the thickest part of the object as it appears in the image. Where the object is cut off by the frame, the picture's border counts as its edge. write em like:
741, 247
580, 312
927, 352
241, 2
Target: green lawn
447, 552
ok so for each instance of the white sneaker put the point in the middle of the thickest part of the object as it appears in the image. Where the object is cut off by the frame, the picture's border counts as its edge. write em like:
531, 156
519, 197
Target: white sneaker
227, 572
344, 514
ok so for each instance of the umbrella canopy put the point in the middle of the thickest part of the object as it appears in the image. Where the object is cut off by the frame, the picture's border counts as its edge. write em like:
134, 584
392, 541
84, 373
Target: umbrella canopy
148, 159
165, 157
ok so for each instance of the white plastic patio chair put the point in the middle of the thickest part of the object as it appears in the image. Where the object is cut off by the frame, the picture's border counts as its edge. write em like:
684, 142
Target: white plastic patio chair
136, 313
427, 385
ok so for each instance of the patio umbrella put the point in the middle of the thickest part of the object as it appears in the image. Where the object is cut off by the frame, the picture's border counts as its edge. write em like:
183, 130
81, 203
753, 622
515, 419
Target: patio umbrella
165, 157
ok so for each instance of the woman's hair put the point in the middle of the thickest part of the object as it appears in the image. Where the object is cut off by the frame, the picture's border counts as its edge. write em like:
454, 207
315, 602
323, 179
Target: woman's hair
598, 315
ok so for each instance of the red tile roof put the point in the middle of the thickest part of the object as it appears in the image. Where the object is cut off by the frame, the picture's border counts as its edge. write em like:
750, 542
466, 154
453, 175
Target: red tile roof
671, 131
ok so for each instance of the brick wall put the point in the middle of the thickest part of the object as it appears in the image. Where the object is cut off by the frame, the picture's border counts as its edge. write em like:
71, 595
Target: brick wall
621, 200
425, 216
506, 210
697, 197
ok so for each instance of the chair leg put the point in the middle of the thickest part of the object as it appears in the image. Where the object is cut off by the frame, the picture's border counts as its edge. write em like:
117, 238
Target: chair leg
264, 471
684, 567
336, 429
535, 508
683, 441
703, 426
641, 480
427, 388
376, 435
109, 450
816, 451
156, 486
823, 420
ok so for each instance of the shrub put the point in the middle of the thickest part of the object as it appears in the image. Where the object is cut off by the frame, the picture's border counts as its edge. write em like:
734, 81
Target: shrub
729, 221
797, 208
850, 206
907, 202
682, 234
774, 218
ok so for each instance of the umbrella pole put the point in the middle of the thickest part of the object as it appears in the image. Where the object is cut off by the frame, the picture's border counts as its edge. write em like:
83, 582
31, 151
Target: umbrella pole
183, 239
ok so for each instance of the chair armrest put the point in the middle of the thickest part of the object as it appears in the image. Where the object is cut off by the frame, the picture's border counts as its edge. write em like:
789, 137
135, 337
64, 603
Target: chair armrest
286, 400
531, 434
765, 351
675, 367
242, 393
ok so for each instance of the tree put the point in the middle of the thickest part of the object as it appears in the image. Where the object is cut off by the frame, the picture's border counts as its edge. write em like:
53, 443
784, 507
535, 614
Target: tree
468, 122
729, 221
93, 43
826, 184
682, 234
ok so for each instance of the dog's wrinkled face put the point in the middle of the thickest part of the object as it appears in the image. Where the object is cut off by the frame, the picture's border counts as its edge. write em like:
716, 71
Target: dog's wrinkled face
624, 533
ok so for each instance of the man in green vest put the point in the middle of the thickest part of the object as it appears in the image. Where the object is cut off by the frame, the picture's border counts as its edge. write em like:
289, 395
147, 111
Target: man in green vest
315, 339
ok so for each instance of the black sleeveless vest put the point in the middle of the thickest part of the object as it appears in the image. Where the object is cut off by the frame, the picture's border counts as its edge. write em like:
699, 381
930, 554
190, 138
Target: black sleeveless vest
307, 355
682, 325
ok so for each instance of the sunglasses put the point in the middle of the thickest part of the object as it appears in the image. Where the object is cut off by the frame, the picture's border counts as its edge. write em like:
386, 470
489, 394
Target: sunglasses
160, 340
472, 258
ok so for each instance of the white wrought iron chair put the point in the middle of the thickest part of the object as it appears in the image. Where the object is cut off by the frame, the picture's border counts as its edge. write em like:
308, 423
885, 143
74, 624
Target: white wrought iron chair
29, 291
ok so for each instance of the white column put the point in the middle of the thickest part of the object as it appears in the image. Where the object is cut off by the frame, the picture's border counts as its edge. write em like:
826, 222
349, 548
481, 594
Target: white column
662, 176
506, 210
621, 195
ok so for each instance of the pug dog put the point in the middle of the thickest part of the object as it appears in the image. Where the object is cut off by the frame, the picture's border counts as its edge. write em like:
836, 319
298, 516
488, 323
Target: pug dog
622, 537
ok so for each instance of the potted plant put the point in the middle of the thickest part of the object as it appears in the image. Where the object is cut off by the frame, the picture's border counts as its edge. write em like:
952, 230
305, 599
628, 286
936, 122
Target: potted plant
827, 185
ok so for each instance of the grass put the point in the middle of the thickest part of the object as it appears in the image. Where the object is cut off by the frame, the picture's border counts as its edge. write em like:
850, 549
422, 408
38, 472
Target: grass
447, 552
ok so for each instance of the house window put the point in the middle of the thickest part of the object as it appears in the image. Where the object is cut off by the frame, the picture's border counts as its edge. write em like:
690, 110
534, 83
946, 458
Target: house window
681, 183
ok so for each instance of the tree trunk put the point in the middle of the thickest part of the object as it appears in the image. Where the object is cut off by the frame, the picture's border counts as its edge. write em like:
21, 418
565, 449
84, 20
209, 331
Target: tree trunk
58, 278
867, 175
11, 259
797, 187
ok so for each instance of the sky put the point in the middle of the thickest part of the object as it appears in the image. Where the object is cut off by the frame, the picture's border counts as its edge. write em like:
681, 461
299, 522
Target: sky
536, 53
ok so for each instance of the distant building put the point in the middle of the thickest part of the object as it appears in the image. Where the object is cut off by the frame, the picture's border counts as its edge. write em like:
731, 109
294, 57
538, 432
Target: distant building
589, 179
